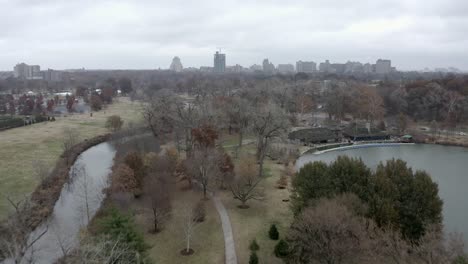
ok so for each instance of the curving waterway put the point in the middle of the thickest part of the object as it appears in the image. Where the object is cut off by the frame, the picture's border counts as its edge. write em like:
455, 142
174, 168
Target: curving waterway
448, 166
79, 201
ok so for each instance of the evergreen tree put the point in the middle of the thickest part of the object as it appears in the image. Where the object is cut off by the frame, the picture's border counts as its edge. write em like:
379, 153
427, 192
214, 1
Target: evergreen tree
273, 232
254, 245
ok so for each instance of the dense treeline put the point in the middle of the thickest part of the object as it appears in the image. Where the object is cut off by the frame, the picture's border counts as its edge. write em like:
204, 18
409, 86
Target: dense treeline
347, 213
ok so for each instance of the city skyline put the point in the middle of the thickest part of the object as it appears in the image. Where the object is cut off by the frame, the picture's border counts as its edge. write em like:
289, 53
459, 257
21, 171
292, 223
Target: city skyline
128, 35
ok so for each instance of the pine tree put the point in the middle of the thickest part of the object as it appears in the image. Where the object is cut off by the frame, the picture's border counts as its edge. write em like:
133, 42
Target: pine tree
254, 245
273, 233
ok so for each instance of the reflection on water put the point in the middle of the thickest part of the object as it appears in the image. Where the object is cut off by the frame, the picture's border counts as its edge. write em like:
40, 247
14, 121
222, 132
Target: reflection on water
79, 201
448, 166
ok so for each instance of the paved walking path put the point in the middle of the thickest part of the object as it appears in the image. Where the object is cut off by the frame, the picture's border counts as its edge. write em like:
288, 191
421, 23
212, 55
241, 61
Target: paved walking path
229, 246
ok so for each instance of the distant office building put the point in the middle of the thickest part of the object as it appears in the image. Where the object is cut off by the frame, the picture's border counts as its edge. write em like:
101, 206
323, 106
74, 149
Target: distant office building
21, 70
383, 66
353, 67
256, 67
52, 75
206, 69
338, 68
285, 68
25, 71
306, 66
268, 67
236, 68
367, 68
325, 66
219, 62
176, 65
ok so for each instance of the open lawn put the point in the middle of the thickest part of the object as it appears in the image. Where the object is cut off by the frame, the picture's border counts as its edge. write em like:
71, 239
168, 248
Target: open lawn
20, 147
255, 221
207, 242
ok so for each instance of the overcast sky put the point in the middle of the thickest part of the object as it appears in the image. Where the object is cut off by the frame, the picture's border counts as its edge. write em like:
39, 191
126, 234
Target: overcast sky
147, 34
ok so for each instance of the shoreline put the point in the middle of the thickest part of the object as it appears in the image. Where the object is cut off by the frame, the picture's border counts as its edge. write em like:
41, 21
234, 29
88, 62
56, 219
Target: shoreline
47, 192
357, 146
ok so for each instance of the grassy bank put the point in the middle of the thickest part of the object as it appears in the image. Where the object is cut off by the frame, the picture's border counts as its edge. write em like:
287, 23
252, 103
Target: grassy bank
20, 147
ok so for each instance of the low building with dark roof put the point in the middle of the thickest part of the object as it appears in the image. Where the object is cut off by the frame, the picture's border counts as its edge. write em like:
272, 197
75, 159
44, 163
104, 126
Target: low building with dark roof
315, 135
362, 133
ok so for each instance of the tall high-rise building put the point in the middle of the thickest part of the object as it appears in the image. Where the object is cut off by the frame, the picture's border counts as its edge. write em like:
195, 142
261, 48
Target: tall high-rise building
268, 67
24, 71
383, 66
306, 66
219, 62
176, 65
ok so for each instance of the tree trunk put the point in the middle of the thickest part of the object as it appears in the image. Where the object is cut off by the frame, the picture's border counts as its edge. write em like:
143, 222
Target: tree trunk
262, 157
241, 134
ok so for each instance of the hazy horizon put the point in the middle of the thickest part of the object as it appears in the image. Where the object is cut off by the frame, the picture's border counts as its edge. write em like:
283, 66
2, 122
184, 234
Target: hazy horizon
414, 34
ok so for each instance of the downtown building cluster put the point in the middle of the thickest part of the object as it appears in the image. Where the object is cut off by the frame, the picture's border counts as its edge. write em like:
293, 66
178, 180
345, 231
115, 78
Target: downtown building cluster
33, 72
219, 66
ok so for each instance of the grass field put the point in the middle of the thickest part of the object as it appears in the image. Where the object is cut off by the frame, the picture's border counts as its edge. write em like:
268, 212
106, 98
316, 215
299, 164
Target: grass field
207, 242
20, 147
254, 222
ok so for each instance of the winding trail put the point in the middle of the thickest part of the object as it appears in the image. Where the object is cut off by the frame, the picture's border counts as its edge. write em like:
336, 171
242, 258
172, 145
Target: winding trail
229, 246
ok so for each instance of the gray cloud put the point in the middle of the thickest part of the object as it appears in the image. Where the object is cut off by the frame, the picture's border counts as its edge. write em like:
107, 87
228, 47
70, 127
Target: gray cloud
147, 33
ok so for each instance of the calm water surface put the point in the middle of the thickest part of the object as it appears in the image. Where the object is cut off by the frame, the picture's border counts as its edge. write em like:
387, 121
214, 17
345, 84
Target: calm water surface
79, 199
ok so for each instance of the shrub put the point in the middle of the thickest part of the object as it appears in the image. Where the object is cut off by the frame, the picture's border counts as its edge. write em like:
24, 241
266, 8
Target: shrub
253, 258
273, 233
460, 260
281, 249
121, 227
114, 123
254, 245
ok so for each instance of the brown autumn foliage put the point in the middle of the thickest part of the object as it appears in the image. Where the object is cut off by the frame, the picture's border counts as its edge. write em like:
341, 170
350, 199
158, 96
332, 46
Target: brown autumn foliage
135, 162
205, 136
123, 179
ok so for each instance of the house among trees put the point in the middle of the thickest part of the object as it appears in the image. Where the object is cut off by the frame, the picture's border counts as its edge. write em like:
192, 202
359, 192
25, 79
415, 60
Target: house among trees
315, 135
359, 133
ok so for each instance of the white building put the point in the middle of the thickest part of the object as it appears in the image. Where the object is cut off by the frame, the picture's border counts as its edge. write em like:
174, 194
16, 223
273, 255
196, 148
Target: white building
176, 65
25, 71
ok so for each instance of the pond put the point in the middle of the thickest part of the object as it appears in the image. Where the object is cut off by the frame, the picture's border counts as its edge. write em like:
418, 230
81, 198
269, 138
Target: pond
448, 166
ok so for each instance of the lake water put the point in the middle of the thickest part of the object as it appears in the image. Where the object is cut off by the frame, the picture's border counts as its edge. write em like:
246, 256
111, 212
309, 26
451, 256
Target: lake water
448, 166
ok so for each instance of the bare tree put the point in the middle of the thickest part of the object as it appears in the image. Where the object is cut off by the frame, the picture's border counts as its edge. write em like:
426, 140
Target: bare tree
245, 187
103, 250
17, 240
70, 139
159, 114
188, 217
204, 165
157, 198
268, 122
329, 233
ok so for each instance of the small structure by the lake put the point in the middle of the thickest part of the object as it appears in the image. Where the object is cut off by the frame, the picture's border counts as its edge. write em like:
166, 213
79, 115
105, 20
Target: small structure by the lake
317, 135
358, 133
